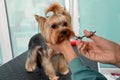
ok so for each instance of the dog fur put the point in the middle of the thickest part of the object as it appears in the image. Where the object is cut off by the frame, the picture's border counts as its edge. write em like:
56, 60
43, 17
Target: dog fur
54, 29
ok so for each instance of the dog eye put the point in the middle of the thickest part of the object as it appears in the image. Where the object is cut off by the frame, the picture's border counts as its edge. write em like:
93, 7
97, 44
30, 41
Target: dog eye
64, 23
54, 26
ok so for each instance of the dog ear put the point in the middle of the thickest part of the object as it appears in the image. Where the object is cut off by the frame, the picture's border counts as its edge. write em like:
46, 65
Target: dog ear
41, 21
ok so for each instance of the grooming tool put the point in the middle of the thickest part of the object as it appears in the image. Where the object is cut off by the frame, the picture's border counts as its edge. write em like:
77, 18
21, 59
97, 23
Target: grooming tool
73, 41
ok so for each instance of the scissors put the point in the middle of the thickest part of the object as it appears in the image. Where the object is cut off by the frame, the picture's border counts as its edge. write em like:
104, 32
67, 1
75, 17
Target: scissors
81, 37
73, 42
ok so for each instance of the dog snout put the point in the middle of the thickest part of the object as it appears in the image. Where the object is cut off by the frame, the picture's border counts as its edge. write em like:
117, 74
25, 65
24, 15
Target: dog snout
64, 32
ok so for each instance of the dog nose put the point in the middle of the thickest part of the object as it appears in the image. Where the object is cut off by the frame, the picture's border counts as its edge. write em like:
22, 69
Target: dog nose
64, 32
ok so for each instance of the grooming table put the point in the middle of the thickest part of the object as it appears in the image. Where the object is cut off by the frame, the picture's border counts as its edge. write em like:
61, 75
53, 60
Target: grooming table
15, 70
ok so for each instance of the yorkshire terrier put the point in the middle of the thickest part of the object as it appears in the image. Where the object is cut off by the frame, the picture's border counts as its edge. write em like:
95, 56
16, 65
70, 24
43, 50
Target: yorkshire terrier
54, 28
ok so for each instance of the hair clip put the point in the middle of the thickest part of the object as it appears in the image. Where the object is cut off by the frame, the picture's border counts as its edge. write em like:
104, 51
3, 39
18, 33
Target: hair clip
49, 14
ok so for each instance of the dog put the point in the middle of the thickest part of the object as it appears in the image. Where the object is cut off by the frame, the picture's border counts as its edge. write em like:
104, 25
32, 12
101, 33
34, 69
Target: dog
55, 28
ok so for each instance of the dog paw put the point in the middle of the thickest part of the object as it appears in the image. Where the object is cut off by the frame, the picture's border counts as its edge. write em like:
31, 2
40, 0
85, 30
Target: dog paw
54, 78
30, 67
65, 72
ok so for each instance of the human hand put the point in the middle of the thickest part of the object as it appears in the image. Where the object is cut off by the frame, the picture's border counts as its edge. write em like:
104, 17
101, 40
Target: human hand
99, 49
61, 47
65, 48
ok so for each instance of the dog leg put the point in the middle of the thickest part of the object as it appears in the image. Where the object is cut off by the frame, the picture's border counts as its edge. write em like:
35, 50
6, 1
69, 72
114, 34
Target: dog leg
48, 66
62, 65
30, 64
49, 69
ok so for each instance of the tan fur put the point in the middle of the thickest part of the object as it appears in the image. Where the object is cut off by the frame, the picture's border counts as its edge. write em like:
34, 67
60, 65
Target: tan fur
61, 20
56, 8
48, 65
41, 20
59, 17
62, 65
30, 64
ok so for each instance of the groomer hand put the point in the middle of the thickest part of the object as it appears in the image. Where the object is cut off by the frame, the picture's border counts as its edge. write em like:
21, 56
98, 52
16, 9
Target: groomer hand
65, 48
99, 49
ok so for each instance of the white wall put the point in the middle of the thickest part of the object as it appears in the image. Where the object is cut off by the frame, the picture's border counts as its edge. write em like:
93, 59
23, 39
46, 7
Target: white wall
75, 16
72, 7
4, 34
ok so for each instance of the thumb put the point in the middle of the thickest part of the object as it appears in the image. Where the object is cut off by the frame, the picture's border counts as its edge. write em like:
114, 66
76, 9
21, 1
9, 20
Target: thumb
92, 36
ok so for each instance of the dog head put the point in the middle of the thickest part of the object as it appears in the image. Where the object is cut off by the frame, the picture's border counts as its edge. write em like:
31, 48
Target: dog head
56, 27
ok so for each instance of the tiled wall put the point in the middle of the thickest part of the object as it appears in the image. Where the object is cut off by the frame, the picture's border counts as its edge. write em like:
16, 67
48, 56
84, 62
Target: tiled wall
102, 16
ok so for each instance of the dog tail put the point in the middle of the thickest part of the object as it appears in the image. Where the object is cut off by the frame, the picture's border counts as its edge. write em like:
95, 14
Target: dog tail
55, 8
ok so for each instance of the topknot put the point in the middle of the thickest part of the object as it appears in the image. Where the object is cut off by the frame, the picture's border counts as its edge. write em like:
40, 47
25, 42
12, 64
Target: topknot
55, 8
